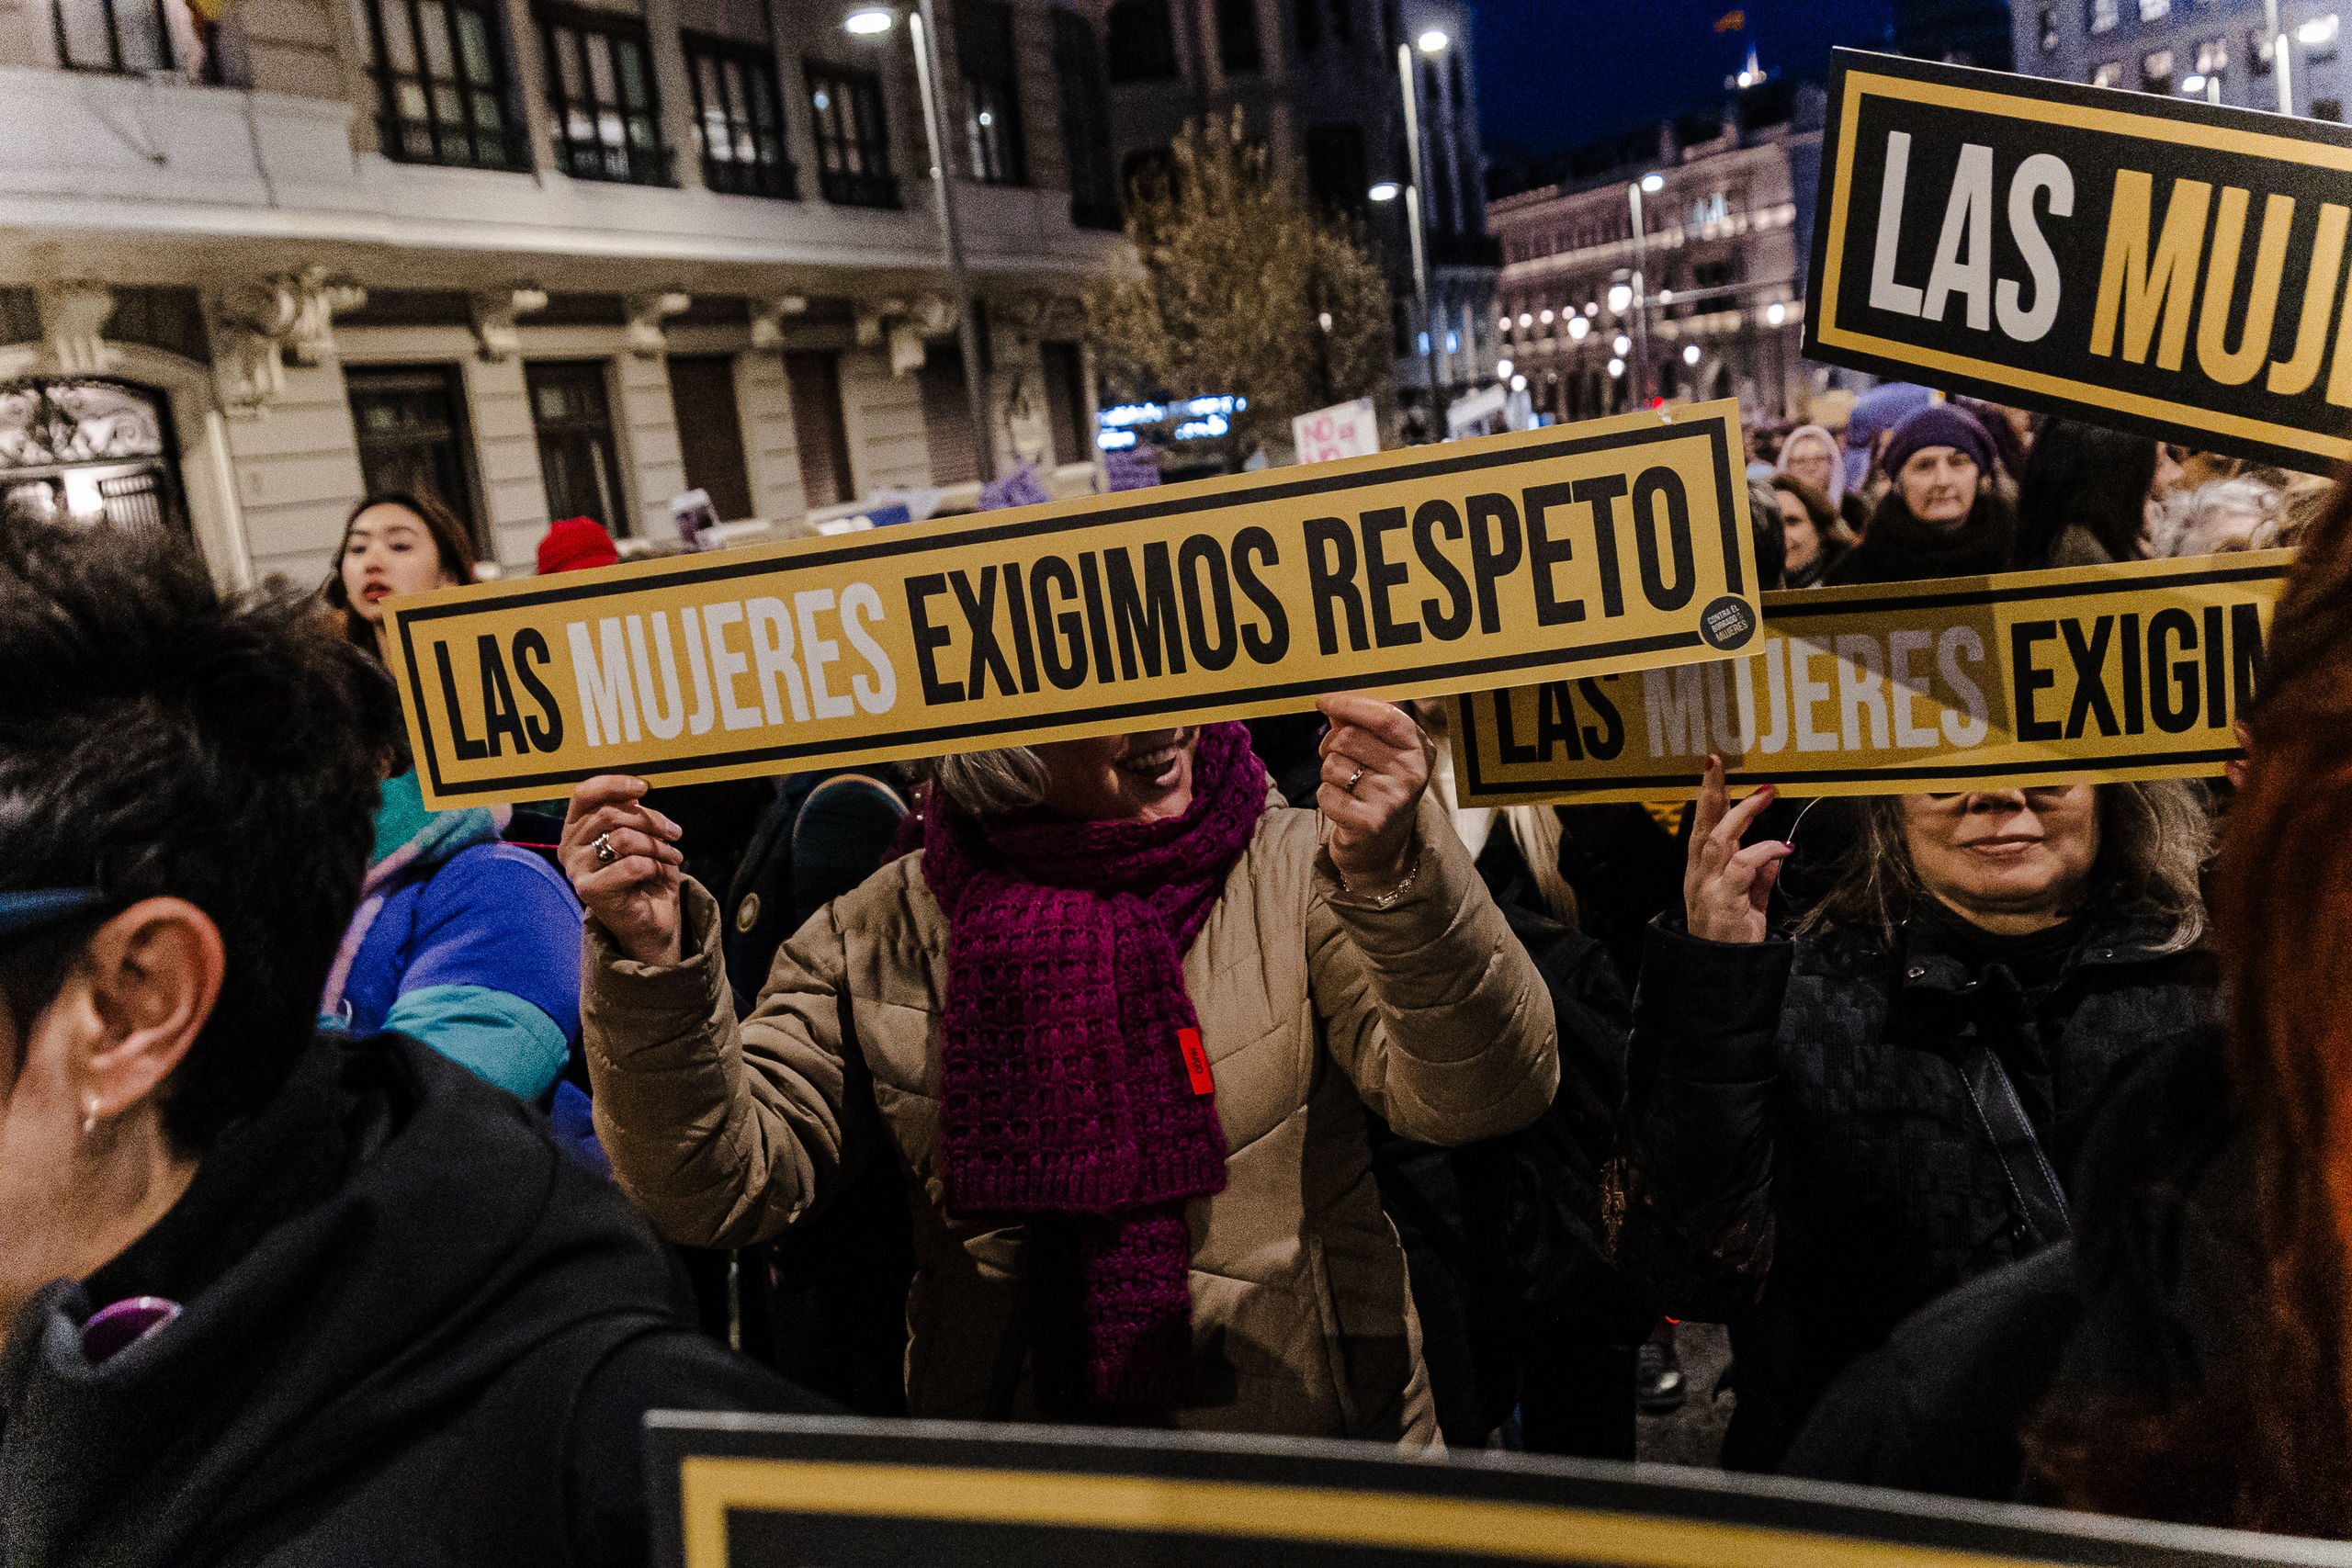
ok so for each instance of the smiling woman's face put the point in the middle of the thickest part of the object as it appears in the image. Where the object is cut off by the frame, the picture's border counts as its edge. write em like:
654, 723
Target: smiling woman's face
1122, 778
2008, 860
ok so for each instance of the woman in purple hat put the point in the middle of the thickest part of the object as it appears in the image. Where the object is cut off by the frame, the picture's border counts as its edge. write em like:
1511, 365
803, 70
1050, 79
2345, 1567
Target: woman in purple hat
1941, 517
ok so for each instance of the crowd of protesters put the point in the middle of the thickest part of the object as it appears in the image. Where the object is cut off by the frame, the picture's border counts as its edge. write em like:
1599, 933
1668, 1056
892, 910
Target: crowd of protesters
367, 1171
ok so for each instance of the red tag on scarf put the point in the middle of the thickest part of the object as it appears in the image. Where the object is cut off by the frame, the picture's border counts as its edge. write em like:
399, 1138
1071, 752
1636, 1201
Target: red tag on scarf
1196, 1061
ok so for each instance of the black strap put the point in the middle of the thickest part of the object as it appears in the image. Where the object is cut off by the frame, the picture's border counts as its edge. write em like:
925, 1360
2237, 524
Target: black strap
2040, 1203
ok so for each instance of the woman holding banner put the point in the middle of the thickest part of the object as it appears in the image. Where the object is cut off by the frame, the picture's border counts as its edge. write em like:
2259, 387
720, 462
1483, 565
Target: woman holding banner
2184, 1359
1118, 1023
1827, 1132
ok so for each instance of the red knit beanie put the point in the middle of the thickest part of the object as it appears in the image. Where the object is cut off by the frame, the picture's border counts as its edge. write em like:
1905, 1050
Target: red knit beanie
574, 544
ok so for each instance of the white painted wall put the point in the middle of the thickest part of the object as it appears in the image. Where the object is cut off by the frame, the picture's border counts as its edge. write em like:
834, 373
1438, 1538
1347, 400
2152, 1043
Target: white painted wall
296, 468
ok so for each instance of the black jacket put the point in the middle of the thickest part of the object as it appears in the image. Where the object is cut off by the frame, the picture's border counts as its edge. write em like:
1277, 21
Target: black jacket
1803, 1160
2146, 1304
413, 1333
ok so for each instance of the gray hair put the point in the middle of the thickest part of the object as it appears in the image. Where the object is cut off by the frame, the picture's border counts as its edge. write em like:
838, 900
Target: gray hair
2226, 515
2153, 837
989, 783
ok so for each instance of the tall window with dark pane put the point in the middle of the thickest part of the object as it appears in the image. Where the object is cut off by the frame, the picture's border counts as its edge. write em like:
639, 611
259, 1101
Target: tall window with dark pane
739, 119
1142, 41
991, 92
1238, 46
441, 95
600, 95
411, 420
129, 36
572, 416
1086, 123
853, 138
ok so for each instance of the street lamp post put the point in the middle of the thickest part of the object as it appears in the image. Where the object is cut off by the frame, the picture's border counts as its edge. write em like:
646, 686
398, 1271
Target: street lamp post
1431, 42
923, 28
1641, 303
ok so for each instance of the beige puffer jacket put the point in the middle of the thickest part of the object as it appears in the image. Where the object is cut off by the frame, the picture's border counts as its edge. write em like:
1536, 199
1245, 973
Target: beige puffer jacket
1313, 1004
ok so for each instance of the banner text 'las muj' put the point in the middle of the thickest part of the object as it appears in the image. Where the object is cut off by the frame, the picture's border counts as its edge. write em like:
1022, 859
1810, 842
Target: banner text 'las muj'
2133, 259
1616, 544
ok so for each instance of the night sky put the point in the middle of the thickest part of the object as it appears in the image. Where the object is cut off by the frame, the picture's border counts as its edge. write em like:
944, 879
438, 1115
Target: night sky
1553, 73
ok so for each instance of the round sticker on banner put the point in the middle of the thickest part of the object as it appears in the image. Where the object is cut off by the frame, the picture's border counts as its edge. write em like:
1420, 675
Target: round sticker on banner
1727, 623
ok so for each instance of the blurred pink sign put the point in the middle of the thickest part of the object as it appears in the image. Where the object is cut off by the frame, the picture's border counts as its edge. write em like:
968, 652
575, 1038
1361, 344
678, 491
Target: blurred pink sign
1344, 430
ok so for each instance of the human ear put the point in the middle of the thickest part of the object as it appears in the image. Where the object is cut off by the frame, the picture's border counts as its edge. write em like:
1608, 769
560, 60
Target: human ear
151, 976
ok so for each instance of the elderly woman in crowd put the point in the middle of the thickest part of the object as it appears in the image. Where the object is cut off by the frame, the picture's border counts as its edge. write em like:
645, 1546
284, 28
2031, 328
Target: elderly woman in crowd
1811, 455
1940, 516
2182, 1358
1828, 1131
1117, 1022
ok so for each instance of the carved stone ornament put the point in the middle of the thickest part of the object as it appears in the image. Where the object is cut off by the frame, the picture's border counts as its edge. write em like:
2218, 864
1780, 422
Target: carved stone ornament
768, 317
905, 324
47, 424
646, 314
253, 326
493, 311
72, 314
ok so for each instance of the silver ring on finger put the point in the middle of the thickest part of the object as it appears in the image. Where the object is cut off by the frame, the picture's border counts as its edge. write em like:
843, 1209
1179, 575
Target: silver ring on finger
1353, 779
605, 854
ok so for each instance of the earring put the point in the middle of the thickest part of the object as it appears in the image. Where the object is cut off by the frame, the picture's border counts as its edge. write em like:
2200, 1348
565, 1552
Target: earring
89, 1114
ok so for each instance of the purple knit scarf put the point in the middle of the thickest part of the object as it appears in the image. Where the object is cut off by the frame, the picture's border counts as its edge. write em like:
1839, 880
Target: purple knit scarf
1064, 1096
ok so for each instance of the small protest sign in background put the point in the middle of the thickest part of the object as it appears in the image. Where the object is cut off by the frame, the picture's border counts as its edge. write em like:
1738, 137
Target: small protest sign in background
2081, 675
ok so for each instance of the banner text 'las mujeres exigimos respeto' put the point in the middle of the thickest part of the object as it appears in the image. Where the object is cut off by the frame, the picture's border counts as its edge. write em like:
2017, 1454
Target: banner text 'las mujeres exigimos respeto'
1613, 546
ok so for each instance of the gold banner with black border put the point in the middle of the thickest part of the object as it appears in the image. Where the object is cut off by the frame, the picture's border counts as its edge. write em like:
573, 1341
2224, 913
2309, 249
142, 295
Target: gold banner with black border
744, 1491
2139, 260
2085, 674
1614, 544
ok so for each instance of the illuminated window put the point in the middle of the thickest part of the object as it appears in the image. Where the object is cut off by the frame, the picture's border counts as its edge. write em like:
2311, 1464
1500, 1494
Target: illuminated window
2155, 10
738, 126
2049, 29
600, 95
2105, 15
2156, 71
440, 83
2108, 76
853, 140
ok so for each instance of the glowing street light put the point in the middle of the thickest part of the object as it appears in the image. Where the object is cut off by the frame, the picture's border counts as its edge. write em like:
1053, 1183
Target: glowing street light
1385, 191
1622, 345
1691, 353
1653, 184
1776, 313
1616, 368
1619, 296
1545, 318
1578, 327
865, 24
1519, 383
1502, 367
1432, 42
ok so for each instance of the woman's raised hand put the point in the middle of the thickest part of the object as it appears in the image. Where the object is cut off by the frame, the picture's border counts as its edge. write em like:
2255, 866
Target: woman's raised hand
1724, 887
622, 857
1374, 772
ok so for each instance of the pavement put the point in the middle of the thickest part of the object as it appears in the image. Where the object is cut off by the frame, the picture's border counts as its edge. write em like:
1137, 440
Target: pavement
1694, 1434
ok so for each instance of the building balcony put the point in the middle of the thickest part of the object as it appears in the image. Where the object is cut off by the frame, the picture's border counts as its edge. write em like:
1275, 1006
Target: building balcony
260, 183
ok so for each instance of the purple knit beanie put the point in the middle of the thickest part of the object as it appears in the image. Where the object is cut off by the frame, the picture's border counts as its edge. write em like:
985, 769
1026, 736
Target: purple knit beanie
1939, 425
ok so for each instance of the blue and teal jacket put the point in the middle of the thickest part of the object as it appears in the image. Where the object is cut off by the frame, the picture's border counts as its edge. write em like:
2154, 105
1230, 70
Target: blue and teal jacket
462, 941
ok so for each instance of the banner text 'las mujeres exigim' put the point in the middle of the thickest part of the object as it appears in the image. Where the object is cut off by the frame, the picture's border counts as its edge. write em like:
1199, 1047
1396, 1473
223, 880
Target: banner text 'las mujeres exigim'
2081, 675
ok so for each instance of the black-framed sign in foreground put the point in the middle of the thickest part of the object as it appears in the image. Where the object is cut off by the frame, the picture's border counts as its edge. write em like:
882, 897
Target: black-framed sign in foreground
843, 1492
2133, 259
